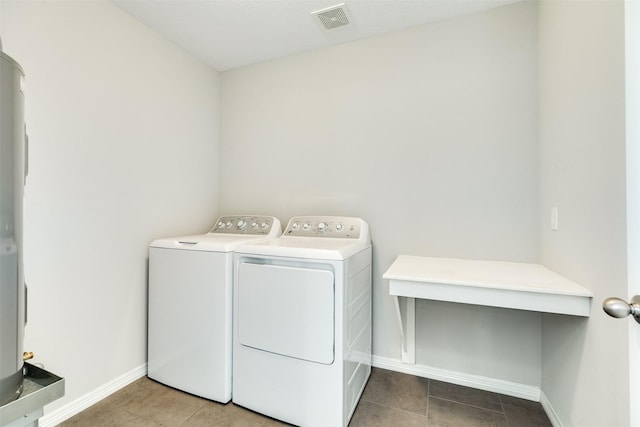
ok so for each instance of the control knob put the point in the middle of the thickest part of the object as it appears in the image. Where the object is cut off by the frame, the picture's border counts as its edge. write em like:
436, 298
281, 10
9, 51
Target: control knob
322, 227
306, 226
242, 224
229, 224
264, 225
339, 227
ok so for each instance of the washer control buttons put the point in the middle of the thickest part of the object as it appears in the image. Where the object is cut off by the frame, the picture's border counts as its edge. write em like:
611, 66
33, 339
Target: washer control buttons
243, 224
324, 227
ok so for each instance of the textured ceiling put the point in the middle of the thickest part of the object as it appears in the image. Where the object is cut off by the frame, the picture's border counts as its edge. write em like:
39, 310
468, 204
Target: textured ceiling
228, 34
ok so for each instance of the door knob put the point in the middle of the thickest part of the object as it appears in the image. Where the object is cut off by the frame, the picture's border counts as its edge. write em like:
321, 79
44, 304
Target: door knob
615, 307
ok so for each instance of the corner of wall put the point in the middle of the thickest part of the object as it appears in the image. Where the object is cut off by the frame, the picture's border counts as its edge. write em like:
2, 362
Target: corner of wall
550, 410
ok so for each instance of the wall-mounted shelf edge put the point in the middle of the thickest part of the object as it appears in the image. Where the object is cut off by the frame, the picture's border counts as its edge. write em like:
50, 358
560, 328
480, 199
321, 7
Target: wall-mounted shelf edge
518, 286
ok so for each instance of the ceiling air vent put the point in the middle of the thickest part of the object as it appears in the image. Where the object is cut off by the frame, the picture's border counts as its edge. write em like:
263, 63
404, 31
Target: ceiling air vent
332, 17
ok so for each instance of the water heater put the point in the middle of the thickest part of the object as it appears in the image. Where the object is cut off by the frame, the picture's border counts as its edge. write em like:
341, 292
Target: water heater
12, 175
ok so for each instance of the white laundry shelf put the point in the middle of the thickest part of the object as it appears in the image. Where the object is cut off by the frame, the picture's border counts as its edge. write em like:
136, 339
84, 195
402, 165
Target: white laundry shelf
519, 286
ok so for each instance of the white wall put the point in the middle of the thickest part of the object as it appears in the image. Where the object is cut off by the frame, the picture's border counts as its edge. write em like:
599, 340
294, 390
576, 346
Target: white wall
429, 134
1, 25
632, 112
124, 135
582, 158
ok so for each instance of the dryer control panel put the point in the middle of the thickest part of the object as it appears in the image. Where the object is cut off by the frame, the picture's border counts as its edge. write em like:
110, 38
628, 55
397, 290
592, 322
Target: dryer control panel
245, 224
324, 226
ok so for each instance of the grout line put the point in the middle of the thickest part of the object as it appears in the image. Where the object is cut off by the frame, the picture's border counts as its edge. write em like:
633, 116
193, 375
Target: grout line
392, 407
428, 399
466, 404
188, 418
503, 410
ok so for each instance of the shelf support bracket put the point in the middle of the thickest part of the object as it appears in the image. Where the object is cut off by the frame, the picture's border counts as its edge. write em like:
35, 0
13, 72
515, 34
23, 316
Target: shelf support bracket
406, 311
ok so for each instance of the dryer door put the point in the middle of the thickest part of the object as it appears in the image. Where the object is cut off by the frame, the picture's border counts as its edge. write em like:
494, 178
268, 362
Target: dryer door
287, 311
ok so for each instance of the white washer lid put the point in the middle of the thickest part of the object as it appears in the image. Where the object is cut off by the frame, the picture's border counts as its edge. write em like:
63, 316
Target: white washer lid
206, 242
227, 234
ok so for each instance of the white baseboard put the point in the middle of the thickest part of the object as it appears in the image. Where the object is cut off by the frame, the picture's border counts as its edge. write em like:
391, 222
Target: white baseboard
80, 404
523, 391
550, 411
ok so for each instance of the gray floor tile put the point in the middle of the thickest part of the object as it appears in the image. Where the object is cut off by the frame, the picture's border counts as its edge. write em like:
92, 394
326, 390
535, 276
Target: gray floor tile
390, 399
369, 414
229, 415
524, 413
161, 404
466, 395
444, 413
396, 390
107, 416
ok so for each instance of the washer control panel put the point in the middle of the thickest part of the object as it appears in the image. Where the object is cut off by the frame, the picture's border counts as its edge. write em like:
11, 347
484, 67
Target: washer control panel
245, 224
324, 226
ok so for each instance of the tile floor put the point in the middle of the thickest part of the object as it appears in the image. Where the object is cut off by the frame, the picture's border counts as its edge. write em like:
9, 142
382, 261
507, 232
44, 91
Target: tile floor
390, 399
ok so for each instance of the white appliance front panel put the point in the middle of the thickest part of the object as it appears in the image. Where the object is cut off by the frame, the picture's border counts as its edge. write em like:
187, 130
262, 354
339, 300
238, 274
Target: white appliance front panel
287, 311
190, 329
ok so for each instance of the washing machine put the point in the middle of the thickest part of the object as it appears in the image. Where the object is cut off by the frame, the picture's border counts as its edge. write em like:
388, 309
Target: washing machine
190, 305
302, 321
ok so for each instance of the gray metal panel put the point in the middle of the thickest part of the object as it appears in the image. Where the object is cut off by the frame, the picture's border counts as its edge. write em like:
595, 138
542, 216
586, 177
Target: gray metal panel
12, 173
40, 388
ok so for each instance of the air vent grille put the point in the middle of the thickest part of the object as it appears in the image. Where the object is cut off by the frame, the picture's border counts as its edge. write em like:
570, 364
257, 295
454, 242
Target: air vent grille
332, 17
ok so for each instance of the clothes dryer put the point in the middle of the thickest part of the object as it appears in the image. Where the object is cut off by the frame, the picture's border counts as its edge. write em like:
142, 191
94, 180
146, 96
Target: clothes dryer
302, 321
190, 305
